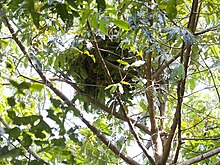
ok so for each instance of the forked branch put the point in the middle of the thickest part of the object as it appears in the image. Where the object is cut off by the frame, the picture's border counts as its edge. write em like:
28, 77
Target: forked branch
50, 85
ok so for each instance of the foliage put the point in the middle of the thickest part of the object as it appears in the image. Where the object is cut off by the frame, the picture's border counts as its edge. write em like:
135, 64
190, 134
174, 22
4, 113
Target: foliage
95, 82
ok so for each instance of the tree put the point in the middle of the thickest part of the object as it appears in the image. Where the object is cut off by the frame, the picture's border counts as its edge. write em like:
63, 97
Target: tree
139, 75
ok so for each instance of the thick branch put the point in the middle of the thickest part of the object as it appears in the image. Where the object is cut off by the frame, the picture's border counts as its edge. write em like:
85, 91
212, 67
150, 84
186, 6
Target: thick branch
201, 157
161, 69
106, 109
117, 93
69, 103
181, 85
213, 28
157, 142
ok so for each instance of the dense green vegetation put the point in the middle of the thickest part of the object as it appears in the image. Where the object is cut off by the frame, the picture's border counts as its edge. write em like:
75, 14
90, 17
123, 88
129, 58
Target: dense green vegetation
109, 82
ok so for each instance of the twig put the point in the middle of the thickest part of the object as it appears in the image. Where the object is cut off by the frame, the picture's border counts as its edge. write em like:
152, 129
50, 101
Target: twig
215, 27
34, 154
181, 87
213, 79
68, 102
198, 139
123, 108
201, 157
106, 109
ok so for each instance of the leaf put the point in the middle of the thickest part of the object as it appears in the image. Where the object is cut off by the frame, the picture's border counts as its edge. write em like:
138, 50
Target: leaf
121, 24
102, 26
188, 37
11, 114
143, 105
83, 73
114, 88
181, 72
109, 86
36, 162
11, 101
56, 102
11, 153
27, 140
122, 62
124, 83
36, 87
90, 55
53, 117
138, 63
36, 18
58, 142
14, 133
24, 85
62, 11
171, 9
25, 120
101, 5
14, 83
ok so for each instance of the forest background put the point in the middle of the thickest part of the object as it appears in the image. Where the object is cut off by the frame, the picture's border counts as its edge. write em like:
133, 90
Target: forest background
109, 82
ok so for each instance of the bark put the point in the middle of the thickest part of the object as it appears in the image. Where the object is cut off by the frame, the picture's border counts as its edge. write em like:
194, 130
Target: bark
49, 84
201, 157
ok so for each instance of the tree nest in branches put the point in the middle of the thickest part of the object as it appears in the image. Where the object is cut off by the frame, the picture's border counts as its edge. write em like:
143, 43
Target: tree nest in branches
81, 63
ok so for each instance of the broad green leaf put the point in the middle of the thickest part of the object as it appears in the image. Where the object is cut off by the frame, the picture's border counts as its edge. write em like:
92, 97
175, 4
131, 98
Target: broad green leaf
62, 12
188, 38
102, 26
11, 114
24, 85
83, 73
36, 87
121, 24
58, 142
11, 153
114, 88
181, 72
25, 120
54, 117
11, 101
14, 83
56, 102
143, 105
36, 18
27, 140
109, 86
171, 9
36, 162
14, 133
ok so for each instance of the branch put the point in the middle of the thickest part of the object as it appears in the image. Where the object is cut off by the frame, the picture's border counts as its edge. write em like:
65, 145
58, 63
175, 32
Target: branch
181, 87
152, 111
106, 109
68, 102
34, 154
117, 93
201, 157
204, 139
213, 79
161, 69
215, 27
